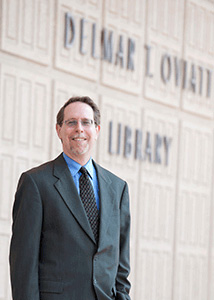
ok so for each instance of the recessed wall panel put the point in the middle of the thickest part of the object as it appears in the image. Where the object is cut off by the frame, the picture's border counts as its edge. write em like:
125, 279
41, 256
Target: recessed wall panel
157, 198
193, 211
27, 29
6, 171
25, 103
124, 70
198, 52
155, 275
118, 135
8, 88
3, 267
85, 32
164, 35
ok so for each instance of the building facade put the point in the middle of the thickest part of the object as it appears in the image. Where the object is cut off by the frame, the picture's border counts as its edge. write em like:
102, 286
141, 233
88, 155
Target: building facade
149, 66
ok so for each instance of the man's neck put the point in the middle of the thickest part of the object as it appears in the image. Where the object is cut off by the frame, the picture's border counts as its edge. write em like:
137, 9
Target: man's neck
79, 159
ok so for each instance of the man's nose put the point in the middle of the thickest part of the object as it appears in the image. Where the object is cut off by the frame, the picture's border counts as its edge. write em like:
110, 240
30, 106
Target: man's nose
79, 126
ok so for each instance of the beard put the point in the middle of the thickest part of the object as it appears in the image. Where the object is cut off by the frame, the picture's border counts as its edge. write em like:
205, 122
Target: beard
78, 148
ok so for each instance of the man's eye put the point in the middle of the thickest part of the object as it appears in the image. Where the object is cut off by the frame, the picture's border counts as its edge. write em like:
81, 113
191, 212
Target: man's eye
86, 123
71, 123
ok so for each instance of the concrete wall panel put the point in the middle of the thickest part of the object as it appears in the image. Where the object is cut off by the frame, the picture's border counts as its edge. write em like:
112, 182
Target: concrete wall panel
4, 283
27, 29
73, 60
164, 34
156, 198
126, 20
194, 208
199, 51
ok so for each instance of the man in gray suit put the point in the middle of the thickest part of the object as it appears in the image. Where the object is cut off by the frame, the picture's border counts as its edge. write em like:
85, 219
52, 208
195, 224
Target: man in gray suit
55, 253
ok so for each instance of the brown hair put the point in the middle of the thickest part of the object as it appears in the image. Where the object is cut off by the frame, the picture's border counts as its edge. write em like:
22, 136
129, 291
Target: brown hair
84, 99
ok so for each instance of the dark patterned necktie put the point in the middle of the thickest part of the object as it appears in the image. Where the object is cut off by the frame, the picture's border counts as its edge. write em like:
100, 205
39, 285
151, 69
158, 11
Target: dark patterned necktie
88, 199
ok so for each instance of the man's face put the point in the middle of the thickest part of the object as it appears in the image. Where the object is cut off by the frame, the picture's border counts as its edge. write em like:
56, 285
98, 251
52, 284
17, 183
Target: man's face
78, 140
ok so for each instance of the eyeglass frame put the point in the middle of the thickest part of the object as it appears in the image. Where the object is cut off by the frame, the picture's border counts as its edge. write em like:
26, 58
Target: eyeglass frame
91, 122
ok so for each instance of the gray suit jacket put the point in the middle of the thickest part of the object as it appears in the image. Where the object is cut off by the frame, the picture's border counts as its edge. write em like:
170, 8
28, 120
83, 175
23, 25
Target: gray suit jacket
53, 253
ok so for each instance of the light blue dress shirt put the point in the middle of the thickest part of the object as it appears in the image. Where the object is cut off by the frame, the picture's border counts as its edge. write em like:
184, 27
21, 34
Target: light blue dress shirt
74, 168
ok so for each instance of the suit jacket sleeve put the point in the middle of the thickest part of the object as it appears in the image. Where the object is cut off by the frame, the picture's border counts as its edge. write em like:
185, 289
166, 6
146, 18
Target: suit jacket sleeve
25, 242
122, 283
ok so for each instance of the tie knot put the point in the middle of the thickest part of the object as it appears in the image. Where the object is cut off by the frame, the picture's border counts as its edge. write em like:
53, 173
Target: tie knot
83, 171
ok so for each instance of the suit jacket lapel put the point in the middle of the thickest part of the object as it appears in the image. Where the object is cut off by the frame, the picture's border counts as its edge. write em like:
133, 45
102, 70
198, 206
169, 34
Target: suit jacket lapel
107, 196
67, 189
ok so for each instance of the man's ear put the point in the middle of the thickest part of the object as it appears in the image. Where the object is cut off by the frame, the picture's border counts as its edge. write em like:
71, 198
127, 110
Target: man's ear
58, 130
98, 131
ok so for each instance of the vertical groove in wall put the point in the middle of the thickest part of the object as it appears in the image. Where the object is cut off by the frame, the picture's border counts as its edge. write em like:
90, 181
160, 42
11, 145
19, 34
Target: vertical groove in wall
211, 239
173, 297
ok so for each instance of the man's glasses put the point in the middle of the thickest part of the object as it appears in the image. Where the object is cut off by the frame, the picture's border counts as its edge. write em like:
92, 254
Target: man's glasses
73, 123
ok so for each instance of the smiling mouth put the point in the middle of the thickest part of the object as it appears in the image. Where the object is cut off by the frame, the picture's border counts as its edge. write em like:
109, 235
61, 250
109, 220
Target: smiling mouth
78, 139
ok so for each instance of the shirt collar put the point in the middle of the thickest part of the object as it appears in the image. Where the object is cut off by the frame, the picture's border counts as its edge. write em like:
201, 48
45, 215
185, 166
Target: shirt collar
75, 166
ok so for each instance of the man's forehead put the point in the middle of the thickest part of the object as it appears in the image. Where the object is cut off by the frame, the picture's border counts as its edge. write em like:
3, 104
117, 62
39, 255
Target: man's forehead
79, 109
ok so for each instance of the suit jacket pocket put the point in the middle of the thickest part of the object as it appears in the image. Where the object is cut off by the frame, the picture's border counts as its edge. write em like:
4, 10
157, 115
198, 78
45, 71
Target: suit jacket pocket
47, 286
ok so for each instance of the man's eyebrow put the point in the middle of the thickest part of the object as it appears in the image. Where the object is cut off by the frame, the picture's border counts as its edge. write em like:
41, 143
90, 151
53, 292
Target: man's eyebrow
70, 119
